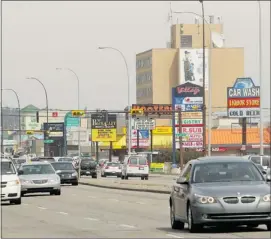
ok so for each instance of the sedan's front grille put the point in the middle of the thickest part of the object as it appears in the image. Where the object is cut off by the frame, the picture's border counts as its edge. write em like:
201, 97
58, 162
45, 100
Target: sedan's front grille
231, 200
3, 184
40, 181
248, 199
232, 216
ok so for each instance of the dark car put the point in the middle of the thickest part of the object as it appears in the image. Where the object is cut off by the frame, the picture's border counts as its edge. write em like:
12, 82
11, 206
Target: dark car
43, 159
88, 167
220, 190
66, 172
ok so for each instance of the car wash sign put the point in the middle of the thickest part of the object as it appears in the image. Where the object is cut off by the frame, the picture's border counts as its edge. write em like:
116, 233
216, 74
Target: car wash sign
243, 99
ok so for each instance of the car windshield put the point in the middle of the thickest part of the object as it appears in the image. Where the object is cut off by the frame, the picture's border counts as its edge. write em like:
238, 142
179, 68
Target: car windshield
260, 167
87, 161
266, 161
225, 172
7, 168
63, 166
65, 160
47, 159
20, 161
38, 169
113, 164
256, 159
142, 161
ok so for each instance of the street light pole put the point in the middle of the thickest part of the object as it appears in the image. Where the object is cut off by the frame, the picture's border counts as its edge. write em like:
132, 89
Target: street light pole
128, 90
47, 112
260, 78
19, 107
209, 86
78, 106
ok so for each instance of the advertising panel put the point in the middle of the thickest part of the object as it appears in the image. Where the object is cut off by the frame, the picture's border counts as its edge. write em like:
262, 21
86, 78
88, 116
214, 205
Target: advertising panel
162, 130
104, 135
144, 139
154, 109
191, 66
243, 99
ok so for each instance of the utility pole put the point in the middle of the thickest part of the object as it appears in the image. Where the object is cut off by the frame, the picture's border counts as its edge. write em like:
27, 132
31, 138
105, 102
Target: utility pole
181, 139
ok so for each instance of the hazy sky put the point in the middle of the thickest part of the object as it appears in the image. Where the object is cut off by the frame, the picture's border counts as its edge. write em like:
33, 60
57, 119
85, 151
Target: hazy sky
40, 36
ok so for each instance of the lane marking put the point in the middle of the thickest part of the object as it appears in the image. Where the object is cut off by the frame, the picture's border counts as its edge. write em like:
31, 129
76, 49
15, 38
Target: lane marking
174, 236
142, 203
113, 199
42, 208
91, 197
25, 204
125, 225
92, 219
63, 213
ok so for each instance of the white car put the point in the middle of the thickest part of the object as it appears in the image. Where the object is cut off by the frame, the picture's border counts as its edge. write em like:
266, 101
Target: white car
111, 169
135, 166
10, 183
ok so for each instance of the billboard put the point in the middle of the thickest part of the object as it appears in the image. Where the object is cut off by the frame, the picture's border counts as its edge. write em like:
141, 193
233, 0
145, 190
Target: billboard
103, 127
154, 109
243, 99
191, 66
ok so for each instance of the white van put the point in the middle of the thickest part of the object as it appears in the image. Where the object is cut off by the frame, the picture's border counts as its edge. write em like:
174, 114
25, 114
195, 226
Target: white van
10, 183
135, 166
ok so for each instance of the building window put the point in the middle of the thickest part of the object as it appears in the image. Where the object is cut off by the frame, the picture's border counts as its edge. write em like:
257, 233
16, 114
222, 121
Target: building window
144, 93
144, 78
144, 63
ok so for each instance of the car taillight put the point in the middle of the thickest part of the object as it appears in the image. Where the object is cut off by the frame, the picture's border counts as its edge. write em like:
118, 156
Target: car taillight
106, 167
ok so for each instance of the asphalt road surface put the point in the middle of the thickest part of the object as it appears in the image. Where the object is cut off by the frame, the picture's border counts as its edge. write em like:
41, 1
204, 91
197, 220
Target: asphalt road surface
89, 212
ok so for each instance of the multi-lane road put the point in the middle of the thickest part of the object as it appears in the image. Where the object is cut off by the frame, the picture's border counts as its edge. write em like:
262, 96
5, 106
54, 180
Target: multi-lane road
90, 212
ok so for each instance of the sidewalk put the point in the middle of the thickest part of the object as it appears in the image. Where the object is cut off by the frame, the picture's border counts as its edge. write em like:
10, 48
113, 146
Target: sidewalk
131, 185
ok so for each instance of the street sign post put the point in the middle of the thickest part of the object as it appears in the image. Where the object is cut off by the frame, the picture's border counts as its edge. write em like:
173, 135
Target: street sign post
144, 124
48, 141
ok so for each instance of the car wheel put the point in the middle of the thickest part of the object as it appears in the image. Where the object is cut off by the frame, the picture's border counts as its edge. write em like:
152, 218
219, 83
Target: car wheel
268, 227
122, 177
147, 178
57, 192
17, 201
75, 184
174, 223
193, 228
250, 226
142, 178
94, 176
22, 194
126, 177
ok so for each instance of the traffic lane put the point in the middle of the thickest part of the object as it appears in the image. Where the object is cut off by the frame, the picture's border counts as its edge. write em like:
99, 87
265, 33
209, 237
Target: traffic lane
109, 213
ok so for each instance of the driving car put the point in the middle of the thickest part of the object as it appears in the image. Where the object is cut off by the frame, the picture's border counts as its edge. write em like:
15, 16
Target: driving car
88, 167
66, 172
111, 169
38, 177
220, 190
43, 159
135, 166
263, 160
10, 183
64, 159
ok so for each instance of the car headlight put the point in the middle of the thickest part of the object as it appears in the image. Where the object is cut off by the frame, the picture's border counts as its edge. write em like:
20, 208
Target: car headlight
26, 181
53, 181
74, 174
13, 183
205, 199
267, 198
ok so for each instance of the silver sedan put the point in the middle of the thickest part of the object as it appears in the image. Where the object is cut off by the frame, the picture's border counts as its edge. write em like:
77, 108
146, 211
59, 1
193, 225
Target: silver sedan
39, 177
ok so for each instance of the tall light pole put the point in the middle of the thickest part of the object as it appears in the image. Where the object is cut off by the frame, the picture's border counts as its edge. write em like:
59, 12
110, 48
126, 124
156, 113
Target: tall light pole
128, 91
47, 113
260, 78
78, 105
209, 86
19, 107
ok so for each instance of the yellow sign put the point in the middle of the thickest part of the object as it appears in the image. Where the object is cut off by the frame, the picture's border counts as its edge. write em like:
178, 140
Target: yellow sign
157, 165
137, 112
29, 132
104, 135
192, 115
162, 130
78, 113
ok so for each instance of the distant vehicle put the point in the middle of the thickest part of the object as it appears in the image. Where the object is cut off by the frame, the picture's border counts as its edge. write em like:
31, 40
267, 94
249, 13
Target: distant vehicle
18, 162
65, 159
220, 190
88, 167
111, 169
10, 183
263, 160
37, 177
43, 159
135, 166
66, 172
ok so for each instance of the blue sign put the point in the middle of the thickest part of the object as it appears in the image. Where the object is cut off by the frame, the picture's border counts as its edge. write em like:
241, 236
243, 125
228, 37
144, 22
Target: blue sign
144, 134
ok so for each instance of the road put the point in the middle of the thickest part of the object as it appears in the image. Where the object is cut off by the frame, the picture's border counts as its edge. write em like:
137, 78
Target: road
89, 212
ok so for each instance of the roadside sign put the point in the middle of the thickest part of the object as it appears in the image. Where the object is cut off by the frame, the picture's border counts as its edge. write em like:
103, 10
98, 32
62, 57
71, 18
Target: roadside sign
144, 124
181, 135
78, 113
54, 114
48, 141
29, 132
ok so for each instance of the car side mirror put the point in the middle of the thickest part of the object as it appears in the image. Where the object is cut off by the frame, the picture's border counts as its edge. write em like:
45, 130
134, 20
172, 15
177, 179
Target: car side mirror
264, 172
20, 172
268, 178
182, 180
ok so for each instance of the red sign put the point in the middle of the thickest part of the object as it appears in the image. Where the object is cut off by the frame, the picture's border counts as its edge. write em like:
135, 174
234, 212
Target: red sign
186, 89
55, 114
244, 103
219, 149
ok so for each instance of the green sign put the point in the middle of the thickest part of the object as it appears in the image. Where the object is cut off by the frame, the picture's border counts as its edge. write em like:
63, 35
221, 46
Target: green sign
48, 141
181, 135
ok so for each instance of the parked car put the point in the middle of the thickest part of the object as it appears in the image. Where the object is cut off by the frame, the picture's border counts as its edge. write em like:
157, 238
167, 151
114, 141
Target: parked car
135, 166
10, 183
88, 167
220, 190
111, 169
37, 177
66, 172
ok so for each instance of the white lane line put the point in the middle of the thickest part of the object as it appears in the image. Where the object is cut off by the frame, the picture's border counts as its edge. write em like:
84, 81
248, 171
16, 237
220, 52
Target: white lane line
127, 226
25, 204
91, 197
92, 219
174, 236
113, 199
142, 203
63, 213
42, 208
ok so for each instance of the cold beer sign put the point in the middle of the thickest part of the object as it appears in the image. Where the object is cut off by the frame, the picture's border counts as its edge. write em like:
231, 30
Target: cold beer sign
243, 99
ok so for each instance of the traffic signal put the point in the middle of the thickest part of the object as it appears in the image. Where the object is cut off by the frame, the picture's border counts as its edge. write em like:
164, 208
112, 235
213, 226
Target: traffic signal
29, 132
78, 113
37, 117
135, 112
